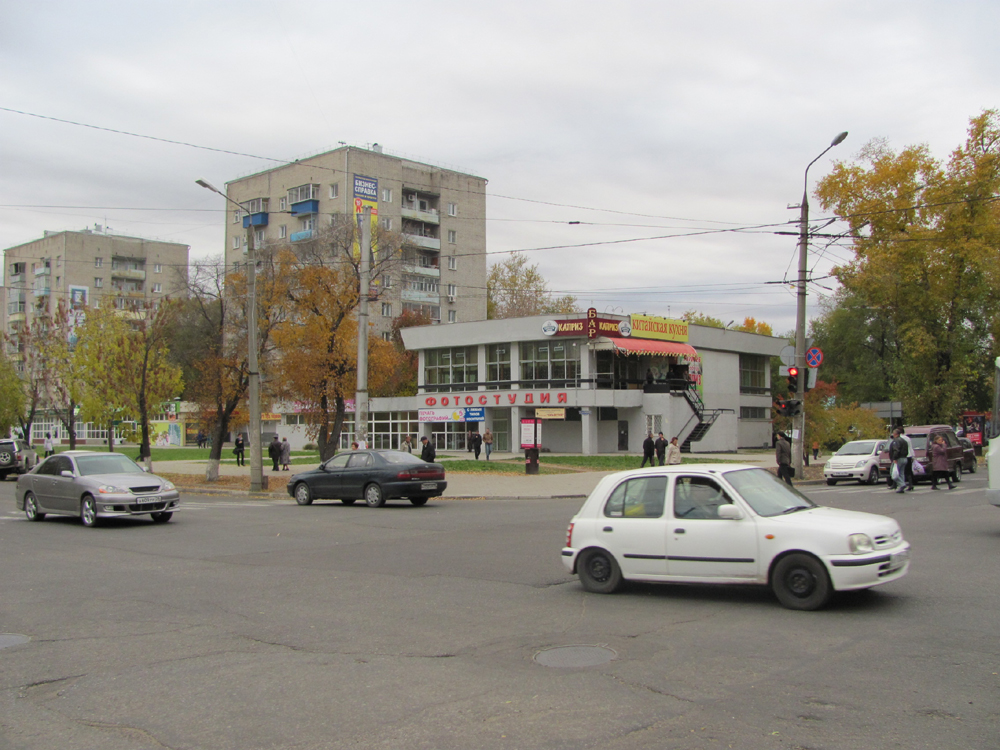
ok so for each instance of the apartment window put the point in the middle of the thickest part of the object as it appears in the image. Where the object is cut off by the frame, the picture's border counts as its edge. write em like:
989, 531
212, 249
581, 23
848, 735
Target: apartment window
497, 364
98, 262
258, 205
258, 238
294, 419
453, 290
755, 412
420, 284
387, 336
157, 289
753, 374
387, 195
58, 279
98, 282
452, 316
237, 215
387, 222
335, 190
452, 263
282, 232
386, 282
303, 193
307, 225
451, 236
282, 204
236, 243
453, 209
386, 309
157, 268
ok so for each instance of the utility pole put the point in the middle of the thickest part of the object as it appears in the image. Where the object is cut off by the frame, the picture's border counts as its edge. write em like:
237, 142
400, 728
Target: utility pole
799, 420
364, 274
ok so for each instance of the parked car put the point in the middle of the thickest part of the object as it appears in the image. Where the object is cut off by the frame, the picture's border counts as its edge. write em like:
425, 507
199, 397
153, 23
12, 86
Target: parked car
858, 459
969, 461
919, 437
728, 524
372, 475
94, 486
16, 457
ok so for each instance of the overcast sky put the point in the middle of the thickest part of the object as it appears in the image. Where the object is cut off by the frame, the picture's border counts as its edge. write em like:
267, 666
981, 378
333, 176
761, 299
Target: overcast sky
636, 119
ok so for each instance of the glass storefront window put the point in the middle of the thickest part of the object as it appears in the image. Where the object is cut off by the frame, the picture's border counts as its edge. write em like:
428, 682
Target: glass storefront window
546, 361
498, 366
453, 369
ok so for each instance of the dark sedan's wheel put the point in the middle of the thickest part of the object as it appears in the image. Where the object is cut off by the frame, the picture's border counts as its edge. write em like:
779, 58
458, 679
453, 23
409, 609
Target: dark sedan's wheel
598, 571
88, 511
800, 582
418, 500
31, 508
348, 500
303, 495
373, 496
163, 516
831, 482
957, 474
873, 476
973, 466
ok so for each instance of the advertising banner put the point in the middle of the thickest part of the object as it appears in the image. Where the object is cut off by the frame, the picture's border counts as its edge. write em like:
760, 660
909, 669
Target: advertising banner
550, 413
531, 433
661, 329
452, 415
365, 194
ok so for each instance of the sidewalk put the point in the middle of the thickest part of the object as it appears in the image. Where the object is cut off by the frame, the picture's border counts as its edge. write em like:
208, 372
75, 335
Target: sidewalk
576, 484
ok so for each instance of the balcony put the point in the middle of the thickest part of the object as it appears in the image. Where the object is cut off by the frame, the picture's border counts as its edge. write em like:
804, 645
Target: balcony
43, 292
16, 278
434, 271
430, 216
428, 243
303, 235
47, 271
16, 317
128, 273
427, 298
255, 220
305, 208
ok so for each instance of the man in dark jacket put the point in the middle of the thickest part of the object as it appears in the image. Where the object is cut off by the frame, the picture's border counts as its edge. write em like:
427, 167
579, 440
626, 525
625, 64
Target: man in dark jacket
427, 452
647, 450
783, 455
477, 444
661, 448
899, 454
274, 452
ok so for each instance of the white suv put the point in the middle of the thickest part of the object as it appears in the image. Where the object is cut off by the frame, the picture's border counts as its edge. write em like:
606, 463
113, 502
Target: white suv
857, 460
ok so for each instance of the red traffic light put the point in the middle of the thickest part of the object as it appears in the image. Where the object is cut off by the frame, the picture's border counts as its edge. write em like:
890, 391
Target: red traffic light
793, 371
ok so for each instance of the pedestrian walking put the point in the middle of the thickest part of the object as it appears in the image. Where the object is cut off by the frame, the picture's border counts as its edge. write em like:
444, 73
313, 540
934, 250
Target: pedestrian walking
815, 450
468, 441
427, 452
477, 444
286, 454
661, 448
488, 442
200, 438
911, 456
648, 449
362, 443
939, 463
239, 448
49, 448
898, 454
783, 455
673, 452
274, 452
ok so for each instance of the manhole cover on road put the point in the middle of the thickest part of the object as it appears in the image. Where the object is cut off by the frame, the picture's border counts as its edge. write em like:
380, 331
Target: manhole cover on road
575, 656
12, 639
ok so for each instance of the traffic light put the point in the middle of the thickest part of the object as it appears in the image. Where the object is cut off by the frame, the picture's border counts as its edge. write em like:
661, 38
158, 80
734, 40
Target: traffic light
788, 407
793, 379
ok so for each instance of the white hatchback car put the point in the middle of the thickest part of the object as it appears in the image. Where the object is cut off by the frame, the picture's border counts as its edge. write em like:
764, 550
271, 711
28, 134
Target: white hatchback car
728, 523
856, 460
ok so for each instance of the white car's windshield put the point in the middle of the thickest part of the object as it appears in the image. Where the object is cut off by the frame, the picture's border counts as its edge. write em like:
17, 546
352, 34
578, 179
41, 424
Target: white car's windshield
857, 448
110, 464
766, 494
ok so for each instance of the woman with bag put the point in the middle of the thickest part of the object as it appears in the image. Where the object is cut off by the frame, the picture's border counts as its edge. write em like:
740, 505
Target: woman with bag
939, 463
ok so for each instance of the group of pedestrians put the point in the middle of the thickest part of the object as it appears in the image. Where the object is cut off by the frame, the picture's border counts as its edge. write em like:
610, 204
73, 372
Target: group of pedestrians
279, 451
476, 443
902, 457
661, 449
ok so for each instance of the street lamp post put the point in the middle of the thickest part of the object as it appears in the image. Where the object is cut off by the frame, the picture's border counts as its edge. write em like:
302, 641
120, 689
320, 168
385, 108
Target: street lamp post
256, 459
799, 421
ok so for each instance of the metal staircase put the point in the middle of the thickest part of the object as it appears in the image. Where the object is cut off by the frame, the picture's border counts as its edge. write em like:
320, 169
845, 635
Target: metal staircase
703, 417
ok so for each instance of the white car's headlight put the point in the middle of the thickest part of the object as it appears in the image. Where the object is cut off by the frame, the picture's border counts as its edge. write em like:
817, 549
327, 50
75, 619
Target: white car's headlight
167, 486
827, 464
860, 463
110, 489
860, 543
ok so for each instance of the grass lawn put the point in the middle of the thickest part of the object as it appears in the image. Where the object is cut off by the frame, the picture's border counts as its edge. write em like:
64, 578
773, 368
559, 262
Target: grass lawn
465, 466
611, 463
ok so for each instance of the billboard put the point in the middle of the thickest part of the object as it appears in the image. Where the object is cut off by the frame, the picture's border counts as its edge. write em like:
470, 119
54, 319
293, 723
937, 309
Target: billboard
365, 195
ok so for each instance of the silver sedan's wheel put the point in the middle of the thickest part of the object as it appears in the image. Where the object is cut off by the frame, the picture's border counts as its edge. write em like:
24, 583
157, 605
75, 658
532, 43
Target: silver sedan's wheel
373, 496
88, 511
302, 494
162, 517
31, 508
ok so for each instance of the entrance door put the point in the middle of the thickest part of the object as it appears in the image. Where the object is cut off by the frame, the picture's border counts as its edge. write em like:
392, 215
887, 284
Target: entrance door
622, 435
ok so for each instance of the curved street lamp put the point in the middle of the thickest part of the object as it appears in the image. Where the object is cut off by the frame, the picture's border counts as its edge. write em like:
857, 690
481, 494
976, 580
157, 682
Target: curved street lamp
799, 421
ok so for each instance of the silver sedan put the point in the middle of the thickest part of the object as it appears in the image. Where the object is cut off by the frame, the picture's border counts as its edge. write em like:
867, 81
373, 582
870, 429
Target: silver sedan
93, 486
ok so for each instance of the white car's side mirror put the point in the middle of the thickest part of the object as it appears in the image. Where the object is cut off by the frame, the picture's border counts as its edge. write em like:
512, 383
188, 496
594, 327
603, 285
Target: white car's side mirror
66, 473
730, 512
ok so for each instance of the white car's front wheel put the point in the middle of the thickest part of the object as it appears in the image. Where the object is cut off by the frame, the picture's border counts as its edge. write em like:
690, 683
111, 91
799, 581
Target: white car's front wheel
800, 582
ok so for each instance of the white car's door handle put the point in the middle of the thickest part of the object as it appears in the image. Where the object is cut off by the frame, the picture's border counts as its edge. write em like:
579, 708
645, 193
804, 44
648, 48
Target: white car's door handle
608, 528
678, 531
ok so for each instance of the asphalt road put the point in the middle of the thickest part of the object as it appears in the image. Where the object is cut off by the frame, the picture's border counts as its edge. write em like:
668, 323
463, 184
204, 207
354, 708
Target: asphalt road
246, 624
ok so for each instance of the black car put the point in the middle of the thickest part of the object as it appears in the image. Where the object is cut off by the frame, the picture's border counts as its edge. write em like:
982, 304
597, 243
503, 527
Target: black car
969, 462
370, 475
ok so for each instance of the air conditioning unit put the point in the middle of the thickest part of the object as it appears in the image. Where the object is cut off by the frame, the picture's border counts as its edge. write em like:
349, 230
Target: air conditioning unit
451, 297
